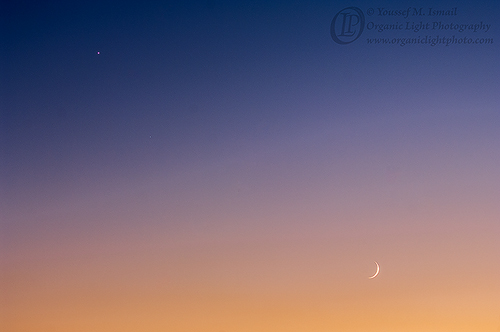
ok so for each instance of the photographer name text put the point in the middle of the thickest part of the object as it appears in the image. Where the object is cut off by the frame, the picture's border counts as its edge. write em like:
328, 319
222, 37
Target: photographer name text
413, 11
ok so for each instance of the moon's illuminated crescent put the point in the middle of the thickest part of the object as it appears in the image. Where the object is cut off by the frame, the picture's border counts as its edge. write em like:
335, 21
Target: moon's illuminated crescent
376, 273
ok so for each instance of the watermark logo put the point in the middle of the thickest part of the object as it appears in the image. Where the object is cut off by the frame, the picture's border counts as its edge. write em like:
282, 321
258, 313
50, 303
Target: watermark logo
410, 26
347, 25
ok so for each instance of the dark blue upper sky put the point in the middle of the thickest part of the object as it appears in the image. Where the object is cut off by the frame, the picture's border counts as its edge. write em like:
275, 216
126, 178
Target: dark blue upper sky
99, 88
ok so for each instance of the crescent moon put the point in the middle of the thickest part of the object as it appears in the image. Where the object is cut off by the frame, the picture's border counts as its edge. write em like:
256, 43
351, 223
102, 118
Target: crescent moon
376, 273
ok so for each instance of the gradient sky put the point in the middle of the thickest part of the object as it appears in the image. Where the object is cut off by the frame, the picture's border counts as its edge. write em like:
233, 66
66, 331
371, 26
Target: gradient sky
227, 166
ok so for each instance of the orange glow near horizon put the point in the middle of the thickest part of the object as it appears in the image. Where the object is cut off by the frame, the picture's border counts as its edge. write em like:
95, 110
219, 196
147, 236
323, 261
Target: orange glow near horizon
263, 277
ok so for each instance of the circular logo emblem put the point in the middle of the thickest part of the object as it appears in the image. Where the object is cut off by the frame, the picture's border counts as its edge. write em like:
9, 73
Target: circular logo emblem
347, 25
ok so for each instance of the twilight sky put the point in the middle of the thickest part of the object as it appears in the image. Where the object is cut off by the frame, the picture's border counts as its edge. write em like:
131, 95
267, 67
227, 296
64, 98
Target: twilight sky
228, 166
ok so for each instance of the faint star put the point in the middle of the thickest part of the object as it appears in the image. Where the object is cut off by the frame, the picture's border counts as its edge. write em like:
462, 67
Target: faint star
98, 53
